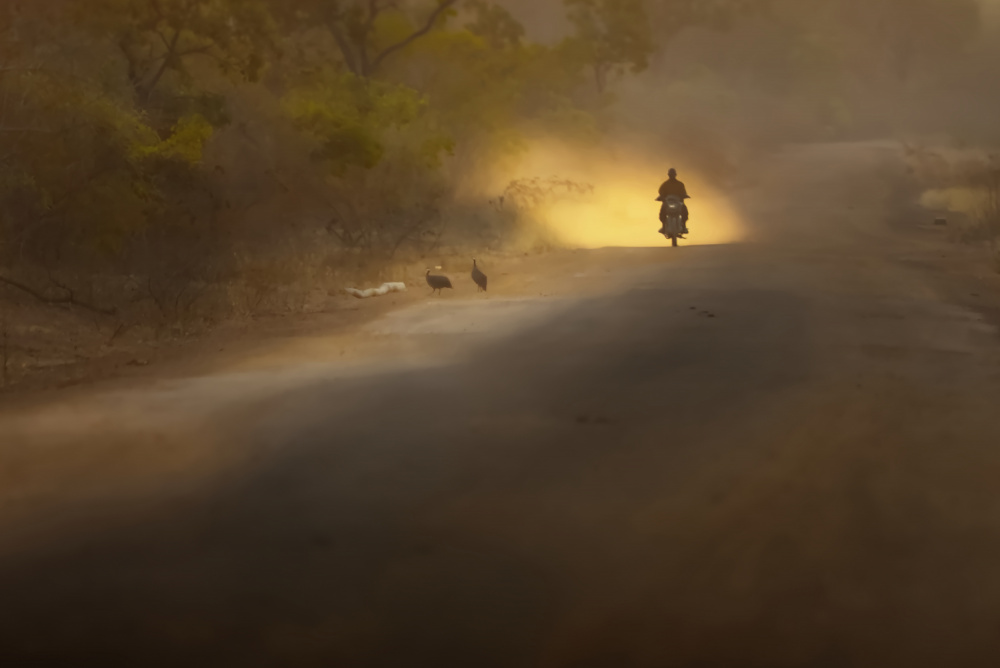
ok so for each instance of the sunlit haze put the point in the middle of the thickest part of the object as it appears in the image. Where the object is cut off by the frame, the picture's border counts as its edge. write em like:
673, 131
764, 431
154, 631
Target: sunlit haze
619, 211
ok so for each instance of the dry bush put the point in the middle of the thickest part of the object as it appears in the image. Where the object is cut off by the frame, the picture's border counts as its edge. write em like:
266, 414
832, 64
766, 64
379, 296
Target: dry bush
965, 183
989, 215
984, 215
927, 166
517, 205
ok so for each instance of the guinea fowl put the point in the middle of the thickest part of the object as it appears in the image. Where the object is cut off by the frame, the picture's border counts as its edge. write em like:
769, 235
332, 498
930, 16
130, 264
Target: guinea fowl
438, 283
478, 276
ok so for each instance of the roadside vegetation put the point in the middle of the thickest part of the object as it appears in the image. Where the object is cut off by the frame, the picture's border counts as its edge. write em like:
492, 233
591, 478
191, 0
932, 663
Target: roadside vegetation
170, 165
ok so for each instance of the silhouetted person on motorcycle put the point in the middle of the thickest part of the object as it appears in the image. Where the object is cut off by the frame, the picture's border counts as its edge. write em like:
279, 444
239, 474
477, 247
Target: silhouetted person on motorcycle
674, 188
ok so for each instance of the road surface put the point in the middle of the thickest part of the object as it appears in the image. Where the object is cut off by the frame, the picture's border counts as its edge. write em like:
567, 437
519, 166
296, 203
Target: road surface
784, 452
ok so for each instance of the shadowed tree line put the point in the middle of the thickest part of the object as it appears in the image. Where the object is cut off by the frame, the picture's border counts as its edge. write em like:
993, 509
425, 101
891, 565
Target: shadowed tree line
155, 153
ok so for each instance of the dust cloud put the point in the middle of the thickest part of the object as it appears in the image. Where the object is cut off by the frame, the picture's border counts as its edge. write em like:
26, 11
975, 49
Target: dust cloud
621, 209
716, 97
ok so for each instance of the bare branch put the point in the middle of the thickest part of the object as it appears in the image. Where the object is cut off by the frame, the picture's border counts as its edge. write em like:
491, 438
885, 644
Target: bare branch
69, 298
15, 130
168, 58
443, 6
373, 12
163, 38
195, 50
345, 49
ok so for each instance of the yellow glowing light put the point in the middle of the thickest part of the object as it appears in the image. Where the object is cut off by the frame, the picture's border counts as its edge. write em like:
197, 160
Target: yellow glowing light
969, 201
622, 210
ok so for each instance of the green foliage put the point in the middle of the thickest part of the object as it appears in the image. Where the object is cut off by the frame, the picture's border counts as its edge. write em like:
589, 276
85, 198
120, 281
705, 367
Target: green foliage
518, 86
139, 129
84, 170
176, 141
161, 37
350, 119
79, 177
186, 142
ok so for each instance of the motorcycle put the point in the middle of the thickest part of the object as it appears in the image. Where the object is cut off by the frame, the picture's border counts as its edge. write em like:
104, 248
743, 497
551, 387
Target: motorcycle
672, 218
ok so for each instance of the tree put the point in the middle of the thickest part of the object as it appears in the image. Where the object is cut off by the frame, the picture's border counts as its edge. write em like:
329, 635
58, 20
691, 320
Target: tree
160, 139
157, 37
360, 27
83, 170
381, 157
613, 36
494, 24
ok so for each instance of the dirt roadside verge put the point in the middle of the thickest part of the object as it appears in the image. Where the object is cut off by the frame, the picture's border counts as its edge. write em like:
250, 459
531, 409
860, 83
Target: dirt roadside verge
67, 364
333, 331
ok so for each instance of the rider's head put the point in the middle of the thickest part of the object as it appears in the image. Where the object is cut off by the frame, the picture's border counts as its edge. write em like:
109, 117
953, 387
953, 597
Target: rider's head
672, 173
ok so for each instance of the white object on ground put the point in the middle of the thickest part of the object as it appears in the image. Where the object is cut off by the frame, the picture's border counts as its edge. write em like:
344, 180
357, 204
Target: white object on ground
376, 292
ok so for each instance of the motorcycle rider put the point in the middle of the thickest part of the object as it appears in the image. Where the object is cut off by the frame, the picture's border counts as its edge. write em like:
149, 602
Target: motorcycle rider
675, 188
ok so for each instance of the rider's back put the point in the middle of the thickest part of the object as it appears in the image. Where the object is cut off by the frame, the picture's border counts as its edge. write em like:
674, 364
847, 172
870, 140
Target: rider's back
675, 188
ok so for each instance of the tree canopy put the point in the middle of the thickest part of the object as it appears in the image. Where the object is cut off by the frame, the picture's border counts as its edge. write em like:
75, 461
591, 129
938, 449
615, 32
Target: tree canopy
136, 132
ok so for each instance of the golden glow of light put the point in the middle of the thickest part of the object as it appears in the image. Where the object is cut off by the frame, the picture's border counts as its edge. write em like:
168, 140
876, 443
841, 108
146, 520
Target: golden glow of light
969, 201
622, 210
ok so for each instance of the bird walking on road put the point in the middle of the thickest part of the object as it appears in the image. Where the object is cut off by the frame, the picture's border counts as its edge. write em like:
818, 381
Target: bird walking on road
438, 283
478, 276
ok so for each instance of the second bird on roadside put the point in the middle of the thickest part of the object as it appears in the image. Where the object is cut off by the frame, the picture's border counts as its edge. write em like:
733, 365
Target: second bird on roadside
478, 276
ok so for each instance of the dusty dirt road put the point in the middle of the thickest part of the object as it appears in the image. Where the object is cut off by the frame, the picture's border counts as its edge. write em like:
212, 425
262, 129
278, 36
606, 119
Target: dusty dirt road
784, 452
